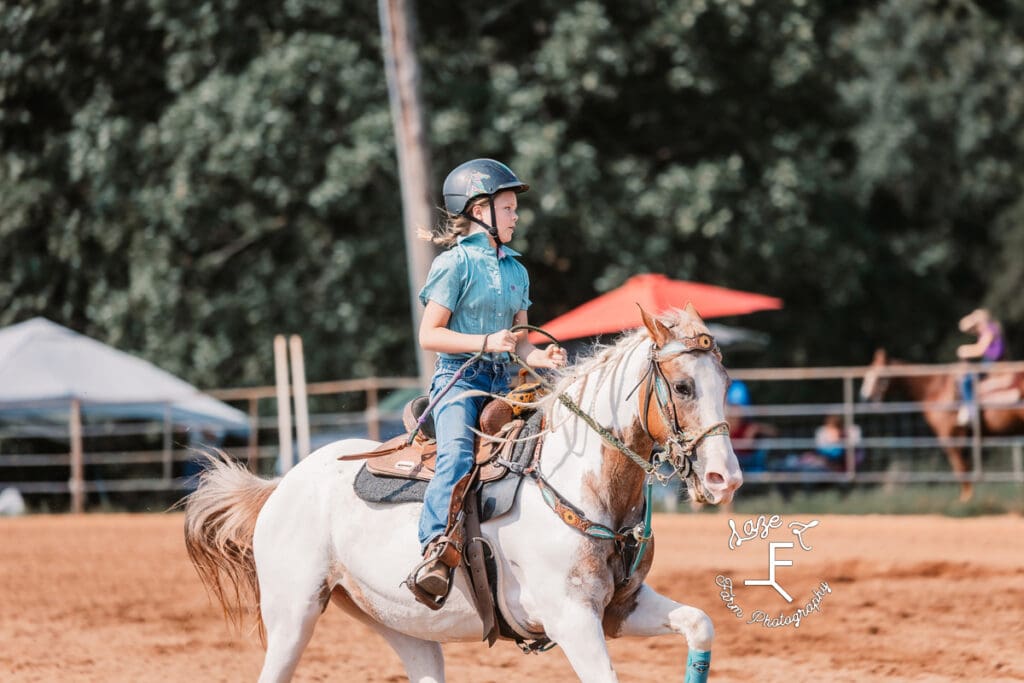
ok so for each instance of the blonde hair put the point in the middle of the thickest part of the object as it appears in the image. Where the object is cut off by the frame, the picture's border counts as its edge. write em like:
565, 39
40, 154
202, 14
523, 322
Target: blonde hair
455, 225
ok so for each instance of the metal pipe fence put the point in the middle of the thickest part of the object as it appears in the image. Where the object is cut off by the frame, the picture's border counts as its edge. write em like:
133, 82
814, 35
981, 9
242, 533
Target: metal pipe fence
894, 445
877, 446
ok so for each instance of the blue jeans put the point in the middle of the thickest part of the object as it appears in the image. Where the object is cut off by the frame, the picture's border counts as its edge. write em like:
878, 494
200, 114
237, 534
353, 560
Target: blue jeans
453, 417
967, 381
967, 388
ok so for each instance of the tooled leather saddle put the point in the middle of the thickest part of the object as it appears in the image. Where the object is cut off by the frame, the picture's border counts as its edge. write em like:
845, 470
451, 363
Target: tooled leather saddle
417, 460
397, 472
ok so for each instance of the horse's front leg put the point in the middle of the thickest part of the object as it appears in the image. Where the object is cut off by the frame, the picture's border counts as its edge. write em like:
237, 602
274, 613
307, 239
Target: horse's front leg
576, 627
655, 615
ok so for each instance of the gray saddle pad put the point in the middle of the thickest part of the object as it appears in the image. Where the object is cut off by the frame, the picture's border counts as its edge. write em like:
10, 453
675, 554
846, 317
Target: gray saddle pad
496, 497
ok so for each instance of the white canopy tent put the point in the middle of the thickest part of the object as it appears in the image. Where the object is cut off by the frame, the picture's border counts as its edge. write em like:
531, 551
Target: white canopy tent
48, 370
42, 362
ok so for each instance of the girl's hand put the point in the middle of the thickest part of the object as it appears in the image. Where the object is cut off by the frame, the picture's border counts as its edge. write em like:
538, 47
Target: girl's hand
502, 341
551, 357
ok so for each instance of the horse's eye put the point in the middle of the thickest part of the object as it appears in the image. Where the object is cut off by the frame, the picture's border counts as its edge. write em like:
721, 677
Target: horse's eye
684, 388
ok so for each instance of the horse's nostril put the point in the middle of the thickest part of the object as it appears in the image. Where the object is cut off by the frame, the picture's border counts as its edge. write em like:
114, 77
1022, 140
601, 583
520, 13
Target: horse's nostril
714, 479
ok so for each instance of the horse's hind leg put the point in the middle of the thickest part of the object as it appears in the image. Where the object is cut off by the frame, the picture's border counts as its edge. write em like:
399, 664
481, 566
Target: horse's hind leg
422, 659
289, 620
293, 595
653, 615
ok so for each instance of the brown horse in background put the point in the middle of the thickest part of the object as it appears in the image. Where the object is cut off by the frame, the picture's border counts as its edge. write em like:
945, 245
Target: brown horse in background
944, 389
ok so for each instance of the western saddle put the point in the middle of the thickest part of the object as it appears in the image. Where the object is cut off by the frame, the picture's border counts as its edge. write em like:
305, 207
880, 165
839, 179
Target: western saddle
417, 460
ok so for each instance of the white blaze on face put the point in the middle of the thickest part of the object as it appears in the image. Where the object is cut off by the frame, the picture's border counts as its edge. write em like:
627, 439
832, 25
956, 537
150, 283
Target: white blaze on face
721, 470
867, 388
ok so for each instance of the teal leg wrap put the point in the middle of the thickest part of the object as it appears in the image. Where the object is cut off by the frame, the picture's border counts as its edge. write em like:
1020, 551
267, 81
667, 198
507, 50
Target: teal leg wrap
697, 665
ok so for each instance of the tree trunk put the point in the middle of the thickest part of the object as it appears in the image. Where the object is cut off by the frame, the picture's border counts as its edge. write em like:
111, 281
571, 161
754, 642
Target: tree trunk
398, 30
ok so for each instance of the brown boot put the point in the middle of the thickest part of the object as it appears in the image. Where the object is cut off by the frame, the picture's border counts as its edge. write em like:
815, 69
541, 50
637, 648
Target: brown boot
434, 578
433, 575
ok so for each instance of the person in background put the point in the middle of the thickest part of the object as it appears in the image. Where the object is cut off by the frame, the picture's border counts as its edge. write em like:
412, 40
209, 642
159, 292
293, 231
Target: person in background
830, 441
829, 454
989, 347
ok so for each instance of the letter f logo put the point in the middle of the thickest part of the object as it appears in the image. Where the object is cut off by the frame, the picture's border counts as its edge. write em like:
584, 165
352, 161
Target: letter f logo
772, 564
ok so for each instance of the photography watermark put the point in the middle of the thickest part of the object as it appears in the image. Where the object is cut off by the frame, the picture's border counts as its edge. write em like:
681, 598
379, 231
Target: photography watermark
761, 529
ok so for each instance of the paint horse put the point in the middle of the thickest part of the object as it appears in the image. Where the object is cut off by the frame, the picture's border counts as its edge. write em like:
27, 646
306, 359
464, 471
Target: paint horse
939, 389
295, 544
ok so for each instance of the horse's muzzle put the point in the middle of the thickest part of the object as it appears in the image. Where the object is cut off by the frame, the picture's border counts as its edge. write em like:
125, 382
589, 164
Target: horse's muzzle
719, 488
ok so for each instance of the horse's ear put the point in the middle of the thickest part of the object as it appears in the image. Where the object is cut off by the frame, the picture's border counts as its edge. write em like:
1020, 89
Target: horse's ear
659, 333
693, 312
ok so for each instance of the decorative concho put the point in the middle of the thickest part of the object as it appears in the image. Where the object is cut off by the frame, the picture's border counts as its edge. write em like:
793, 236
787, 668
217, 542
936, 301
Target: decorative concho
700, 342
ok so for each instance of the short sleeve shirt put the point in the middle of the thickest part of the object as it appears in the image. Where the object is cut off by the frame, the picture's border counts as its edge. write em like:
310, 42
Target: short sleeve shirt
995, 348
482, 291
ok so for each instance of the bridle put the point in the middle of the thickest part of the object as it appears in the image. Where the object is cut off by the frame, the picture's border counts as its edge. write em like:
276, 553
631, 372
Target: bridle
680, 448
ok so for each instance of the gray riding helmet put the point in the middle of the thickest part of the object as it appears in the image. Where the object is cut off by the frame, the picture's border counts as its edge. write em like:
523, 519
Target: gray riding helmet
477, 178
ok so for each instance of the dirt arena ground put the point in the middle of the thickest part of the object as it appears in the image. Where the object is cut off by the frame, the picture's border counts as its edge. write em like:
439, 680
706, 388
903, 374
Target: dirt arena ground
114, 598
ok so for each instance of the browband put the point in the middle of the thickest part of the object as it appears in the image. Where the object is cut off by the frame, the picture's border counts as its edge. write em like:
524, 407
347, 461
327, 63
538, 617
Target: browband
699, 342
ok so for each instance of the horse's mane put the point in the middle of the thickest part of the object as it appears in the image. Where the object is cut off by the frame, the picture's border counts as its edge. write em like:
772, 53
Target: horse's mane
601, 358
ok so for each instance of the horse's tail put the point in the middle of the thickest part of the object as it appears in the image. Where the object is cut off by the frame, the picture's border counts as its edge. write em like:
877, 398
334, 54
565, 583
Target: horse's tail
220, 517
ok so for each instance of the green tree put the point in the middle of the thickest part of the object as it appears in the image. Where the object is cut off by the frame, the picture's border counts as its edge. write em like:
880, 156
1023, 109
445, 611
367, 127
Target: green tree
707, 137
76, 86
186, 179
940, 124
270, 205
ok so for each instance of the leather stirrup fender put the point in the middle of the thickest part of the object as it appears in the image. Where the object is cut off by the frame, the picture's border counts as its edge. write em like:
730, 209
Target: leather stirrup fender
478, 571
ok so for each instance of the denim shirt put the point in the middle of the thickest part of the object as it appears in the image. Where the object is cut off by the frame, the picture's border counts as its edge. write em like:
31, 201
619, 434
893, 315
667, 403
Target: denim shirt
483, 292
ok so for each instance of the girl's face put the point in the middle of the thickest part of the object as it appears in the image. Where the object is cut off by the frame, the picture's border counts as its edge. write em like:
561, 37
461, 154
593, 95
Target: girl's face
505, 205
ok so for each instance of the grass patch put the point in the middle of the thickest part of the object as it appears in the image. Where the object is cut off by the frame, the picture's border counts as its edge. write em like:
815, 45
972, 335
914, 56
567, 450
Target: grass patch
904, 499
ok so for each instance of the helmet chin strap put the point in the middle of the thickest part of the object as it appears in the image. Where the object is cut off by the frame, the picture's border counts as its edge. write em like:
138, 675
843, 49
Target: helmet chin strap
492, 229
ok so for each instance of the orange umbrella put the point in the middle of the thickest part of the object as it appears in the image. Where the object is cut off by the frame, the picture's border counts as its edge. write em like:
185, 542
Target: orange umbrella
617, 310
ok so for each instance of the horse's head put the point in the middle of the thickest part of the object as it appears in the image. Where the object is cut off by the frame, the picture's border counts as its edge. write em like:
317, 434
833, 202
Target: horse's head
874, 386
686, 407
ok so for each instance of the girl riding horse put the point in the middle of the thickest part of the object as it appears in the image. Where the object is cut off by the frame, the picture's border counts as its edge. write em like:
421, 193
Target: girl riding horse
475, 292
289, 547
989, 347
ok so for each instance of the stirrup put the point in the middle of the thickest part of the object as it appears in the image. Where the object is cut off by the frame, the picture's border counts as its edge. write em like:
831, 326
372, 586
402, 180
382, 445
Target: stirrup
433, 561
434, 578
